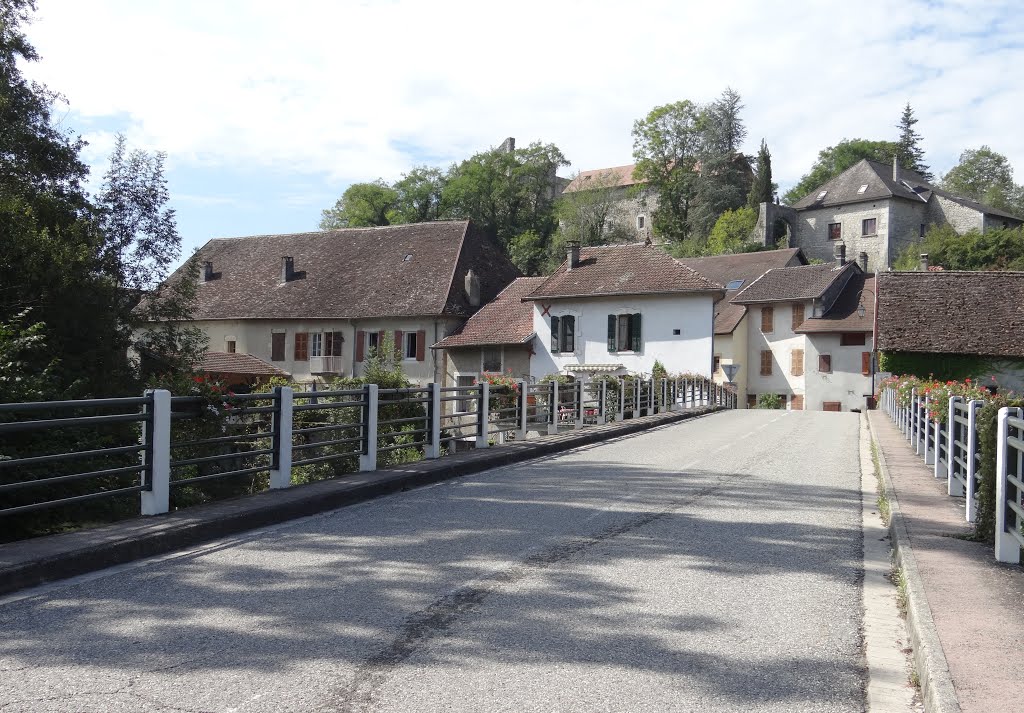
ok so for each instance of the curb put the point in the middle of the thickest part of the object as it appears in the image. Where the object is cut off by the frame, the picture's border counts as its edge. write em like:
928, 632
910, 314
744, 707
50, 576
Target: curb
937, 689
29, 563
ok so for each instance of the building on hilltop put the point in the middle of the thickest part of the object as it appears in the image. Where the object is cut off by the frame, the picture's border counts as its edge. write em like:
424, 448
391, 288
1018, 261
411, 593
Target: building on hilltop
876, 211
316, 305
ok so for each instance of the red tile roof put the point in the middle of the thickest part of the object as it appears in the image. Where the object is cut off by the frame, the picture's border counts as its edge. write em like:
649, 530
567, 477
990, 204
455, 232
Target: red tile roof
506, 320
235, 363
634, 269
614, 177
393, 271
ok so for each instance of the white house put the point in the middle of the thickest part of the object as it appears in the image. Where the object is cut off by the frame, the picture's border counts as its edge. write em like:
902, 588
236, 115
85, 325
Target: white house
618, 309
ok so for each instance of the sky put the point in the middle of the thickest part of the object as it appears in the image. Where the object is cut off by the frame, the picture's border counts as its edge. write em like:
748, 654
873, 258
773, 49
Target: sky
267, 114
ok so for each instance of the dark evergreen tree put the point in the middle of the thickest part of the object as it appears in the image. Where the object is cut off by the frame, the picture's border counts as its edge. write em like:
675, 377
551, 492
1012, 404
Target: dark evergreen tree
908, 149
763, 188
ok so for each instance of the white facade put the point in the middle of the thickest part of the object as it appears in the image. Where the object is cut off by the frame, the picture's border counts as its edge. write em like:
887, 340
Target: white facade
846, 384
677, 330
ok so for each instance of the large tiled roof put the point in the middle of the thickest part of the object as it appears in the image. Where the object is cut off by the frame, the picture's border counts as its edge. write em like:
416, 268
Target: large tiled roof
506, 320
952, 312
878, 183
843, 315
791, 284
235, 363
393, 271
747, 267
604, 178
634, 269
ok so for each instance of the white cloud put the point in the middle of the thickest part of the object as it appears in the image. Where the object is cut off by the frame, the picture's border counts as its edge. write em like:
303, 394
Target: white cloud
345, 89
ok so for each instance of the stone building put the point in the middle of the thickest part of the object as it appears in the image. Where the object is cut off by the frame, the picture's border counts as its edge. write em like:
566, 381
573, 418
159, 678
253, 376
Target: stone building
876, 211
631, 203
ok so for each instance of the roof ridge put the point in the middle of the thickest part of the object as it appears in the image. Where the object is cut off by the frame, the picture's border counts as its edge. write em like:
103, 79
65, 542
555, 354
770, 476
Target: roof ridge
367, 228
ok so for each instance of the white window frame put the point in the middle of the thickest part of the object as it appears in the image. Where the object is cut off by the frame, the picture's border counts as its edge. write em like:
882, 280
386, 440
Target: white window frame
641, 222
315, 345
409, 344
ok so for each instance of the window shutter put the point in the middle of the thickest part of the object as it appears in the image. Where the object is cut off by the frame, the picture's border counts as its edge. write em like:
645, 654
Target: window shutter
634, 327
865, 363
766, 362
613, 323
797, 368
568, 334
302, 346
825, 363
421, 345
399, 346
798, 315
277, 346
767, 319
360, 345
554, 335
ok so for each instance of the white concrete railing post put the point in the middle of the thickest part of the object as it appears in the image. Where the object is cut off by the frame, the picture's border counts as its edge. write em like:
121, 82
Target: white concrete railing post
1007, 548
281, 474
368, 459
621, 414
482, 435
602, 409
555, 415
651, 398
578, 422
972, 450
433, 448
156, 437
953, 486
636, 397
524, 410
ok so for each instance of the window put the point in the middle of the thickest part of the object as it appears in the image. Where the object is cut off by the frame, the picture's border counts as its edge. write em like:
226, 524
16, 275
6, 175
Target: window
491, 359
316, 344
735, 284
332, 343
640, 222
465, 404
301, 346
624, 332
865, 363
766, 362
796, 367
563, 334
863, 187
832, 406
411, 347
768, 319
796, 403
229, 346
923, 228
869, 226
822, 195
798, 315
852, 339
717, 364
372, 340
277, 346
751, 400
825, 363
835, 231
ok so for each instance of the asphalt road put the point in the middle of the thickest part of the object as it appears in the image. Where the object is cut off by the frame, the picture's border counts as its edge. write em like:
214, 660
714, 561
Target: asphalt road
711, 565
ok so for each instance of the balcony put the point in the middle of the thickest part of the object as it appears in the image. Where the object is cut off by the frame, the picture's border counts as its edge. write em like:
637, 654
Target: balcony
326, 365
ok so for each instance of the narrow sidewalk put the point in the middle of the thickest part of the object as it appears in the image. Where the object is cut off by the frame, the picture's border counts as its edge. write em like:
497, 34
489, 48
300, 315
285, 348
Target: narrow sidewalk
976, 604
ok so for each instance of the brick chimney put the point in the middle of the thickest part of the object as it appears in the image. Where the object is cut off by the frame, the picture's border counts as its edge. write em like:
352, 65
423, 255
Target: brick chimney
572, 254
863, 260
287, 269
472, 289
840, 254
922, 266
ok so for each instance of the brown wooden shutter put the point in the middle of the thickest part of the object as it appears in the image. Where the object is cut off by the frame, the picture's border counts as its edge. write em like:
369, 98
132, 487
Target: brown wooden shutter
797, 402
360, 345
767, 319
277, 346
825, 363
766, 362
797, 366
832, 406
399, 347
302, 346
798, 315
421, 345
865, 363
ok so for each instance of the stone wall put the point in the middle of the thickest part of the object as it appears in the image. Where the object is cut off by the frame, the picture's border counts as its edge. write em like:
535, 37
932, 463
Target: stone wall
812, 232
963, 219
764, 231
905, 221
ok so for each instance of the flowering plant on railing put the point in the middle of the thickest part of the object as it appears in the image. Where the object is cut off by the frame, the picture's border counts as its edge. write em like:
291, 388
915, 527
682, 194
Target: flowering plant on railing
937, 393
504, 390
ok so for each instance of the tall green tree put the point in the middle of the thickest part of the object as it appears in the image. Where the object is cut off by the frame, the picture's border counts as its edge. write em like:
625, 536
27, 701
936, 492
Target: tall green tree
834, 160
908, 145
986, 176
362, 205
591, 216
763, 188
732, 230
666, 147
419, 195
724, 172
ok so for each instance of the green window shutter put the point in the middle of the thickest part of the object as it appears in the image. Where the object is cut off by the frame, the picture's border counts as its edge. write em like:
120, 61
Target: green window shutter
554, 335
613, 324
634, 328
568, 334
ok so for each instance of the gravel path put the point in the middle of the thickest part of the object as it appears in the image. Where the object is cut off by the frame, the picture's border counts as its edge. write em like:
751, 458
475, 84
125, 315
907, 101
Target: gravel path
711, 565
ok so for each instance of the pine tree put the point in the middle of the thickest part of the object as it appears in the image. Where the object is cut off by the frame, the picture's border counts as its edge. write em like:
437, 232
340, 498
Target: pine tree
908, 151
763, 189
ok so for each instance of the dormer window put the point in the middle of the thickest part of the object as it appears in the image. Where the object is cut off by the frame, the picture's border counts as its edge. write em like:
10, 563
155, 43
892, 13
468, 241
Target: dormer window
735, 284
863, 188
822, 195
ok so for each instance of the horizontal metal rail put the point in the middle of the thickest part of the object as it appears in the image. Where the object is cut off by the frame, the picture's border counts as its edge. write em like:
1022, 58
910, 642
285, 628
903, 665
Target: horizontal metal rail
74, 421
238, 437
70, 477
82, 404
324, 459
325, 444
74, 455
333, 406
217, 476
75, 499
218, 457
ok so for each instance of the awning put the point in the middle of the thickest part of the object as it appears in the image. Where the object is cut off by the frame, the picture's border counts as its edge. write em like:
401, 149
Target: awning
592, 368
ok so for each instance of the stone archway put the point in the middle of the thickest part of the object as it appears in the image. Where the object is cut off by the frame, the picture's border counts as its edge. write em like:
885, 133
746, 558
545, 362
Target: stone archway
776, 226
